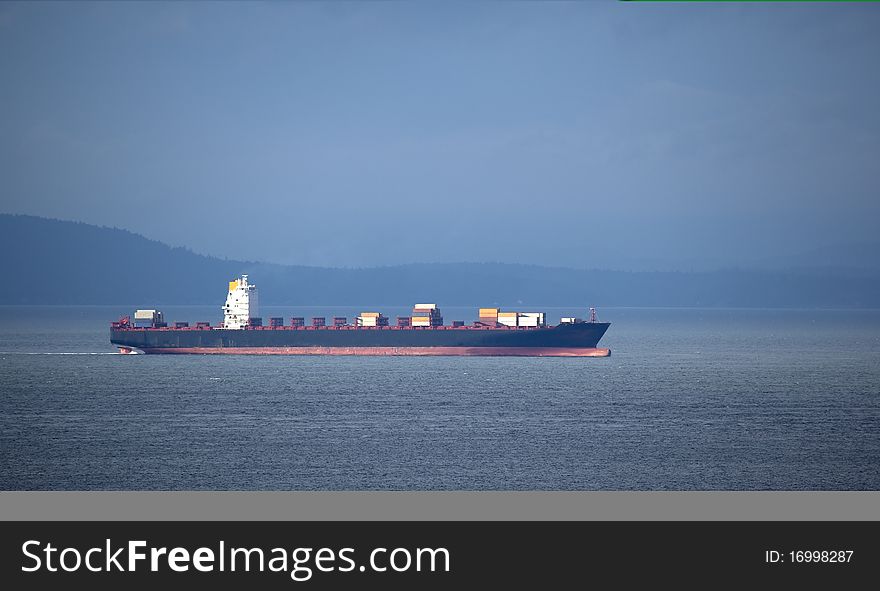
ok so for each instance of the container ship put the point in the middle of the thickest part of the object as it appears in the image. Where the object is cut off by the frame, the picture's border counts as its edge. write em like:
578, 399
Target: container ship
494, 333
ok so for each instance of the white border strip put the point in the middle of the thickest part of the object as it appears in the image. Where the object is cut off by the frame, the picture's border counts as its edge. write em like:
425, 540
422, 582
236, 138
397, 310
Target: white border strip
440, 506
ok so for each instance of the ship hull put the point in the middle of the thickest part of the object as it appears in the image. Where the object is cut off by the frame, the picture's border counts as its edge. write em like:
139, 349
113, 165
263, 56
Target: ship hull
575, 340
391, 351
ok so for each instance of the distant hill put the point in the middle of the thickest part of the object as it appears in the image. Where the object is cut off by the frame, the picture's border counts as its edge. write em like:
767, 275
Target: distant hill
57, 262
864, 256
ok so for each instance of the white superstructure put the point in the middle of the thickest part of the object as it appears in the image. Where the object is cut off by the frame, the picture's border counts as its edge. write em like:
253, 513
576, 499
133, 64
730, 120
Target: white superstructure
242, 303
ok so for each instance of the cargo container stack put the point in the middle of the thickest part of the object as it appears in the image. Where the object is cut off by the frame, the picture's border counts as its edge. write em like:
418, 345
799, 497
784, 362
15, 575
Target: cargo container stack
148, 318
371, 319
494, 316
531, 319
426, 315
319, 321
508, 318
489, 316
297, 321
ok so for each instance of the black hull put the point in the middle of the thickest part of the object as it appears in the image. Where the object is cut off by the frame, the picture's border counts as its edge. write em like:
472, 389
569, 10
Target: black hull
564, 339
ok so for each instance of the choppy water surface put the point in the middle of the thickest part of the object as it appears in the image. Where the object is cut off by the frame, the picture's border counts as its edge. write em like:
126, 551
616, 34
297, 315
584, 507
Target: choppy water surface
689, 399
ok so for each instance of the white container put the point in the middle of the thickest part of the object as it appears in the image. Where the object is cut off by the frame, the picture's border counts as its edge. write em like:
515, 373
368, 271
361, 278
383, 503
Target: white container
537, 317
425, 307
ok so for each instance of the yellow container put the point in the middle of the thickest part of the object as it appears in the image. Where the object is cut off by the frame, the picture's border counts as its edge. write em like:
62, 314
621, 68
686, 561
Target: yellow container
507, 314
233, 285
489, 311
370, 314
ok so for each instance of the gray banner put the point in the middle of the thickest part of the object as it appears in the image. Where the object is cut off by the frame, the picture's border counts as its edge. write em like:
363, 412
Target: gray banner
440, 506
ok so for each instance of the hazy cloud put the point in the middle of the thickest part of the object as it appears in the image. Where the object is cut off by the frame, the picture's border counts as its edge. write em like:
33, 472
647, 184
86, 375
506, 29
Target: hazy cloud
583, 134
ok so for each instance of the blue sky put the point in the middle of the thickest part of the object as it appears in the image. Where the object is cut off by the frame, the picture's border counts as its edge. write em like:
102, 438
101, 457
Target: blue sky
587, 134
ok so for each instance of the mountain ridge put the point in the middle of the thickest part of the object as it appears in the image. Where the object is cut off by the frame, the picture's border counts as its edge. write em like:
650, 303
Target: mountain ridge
64, 262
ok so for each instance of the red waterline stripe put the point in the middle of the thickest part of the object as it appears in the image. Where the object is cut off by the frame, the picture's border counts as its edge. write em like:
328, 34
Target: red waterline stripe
417, 351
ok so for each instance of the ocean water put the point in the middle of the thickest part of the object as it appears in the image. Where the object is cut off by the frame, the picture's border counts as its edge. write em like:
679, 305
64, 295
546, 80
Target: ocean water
690, 399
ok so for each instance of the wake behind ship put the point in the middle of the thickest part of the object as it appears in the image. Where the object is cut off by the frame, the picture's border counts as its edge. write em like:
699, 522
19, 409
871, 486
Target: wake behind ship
494, 333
